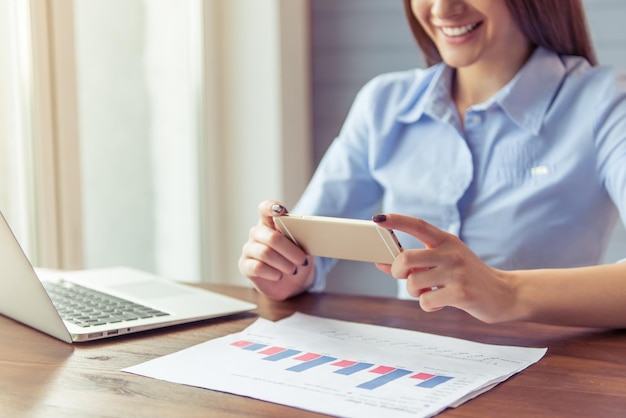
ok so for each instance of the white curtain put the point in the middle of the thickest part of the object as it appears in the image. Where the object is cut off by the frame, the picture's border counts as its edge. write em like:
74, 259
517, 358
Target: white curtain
16, 85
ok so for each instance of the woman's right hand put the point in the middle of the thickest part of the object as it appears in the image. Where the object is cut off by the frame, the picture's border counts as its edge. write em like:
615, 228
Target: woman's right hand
276, 266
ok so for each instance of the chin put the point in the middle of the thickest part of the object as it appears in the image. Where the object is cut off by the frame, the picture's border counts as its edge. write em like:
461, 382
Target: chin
457, 60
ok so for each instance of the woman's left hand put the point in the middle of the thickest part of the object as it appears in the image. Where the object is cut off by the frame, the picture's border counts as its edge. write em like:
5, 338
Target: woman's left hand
448, 273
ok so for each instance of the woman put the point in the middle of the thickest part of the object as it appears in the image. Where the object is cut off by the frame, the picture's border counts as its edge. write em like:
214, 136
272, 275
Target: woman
506, 158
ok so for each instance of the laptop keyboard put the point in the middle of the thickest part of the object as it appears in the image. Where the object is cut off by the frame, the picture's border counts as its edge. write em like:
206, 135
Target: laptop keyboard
87, 307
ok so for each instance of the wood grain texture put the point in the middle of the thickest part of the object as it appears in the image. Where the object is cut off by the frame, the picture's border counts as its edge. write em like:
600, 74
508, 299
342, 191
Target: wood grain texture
583, 373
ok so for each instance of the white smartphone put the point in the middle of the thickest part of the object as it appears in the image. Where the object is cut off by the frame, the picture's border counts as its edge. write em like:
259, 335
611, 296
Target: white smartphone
348, 239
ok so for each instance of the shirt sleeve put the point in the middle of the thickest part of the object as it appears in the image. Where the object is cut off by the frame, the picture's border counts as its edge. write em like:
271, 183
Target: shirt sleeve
611, 140
342, 185
610, 133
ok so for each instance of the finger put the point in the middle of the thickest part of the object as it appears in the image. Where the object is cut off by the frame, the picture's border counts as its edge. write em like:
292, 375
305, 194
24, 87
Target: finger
399, 272
431, 297
420, 281
433, 300
427, 233
385, 268
256, 270
276, 245
268, 209
389, 269
413, 261
271, 248
274, 269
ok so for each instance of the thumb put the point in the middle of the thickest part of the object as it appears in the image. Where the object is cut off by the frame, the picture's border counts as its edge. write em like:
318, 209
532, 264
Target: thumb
427, 233
268, 209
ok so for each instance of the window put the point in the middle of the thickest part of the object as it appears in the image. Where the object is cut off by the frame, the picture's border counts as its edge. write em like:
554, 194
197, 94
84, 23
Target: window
139, 86
144, 132
16, 114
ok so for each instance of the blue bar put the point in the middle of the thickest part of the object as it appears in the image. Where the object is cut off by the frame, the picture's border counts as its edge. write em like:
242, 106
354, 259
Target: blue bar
310, 364
386, 378
354, 368
281, 355
255, 347
434, 381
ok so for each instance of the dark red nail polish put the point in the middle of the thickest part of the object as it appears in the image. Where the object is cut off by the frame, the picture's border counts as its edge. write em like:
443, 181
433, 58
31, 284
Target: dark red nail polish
379, 218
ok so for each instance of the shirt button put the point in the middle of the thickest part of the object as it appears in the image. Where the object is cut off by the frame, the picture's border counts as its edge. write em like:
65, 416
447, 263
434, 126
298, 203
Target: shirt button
476, 119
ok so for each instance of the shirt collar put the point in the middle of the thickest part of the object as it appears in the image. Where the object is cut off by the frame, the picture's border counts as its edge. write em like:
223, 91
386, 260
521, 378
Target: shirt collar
428, 95
526, 98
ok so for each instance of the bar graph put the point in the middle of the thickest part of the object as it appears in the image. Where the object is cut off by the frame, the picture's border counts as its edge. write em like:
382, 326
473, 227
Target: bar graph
376, 375
282, 355
343, 368
350, 367
386, 376
309, 361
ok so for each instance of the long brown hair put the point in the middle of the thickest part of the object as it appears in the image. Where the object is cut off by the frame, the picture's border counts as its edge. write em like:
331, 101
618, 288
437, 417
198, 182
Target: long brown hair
557, 25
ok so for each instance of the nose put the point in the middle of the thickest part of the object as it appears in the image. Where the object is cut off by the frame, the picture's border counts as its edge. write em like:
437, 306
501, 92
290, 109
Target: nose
446, 8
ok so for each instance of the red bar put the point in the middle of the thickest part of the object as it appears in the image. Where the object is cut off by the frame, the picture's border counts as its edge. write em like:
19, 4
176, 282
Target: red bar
272, 350
383, 369
344, 363
422, 376
307, 357
241, 343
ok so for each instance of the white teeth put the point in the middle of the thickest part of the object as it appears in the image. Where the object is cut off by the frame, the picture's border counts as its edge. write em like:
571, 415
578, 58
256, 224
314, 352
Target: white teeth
459, 30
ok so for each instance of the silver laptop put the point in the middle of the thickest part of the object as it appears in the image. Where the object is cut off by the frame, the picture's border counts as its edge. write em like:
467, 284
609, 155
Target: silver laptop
100, 303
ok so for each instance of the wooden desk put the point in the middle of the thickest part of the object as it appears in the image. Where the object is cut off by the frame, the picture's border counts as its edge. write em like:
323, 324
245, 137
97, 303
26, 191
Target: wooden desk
583, 373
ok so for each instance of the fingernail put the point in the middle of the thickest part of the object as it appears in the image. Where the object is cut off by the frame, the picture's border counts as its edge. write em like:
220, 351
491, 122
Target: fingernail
379, 218
295, 271
278, 208
306, 262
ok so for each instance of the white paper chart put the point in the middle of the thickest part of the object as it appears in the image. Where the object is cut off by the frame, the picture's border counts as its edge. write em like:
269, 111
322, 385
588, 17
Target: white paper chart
343, 368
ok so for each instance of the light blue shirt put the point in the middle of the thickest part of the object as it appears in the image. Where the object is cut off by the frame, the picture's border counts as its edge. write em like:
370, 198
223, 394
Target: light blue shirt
535, 179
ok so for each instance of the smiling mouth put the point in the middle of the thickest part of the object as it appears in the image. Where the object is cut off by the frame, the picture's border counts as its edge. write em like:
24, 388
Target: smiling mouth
459, 30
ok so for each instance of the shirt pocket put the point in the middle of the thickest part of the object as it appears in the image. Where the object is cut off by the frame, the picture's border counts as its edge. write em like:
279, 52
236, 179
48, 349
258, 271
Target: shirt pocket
521, 163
